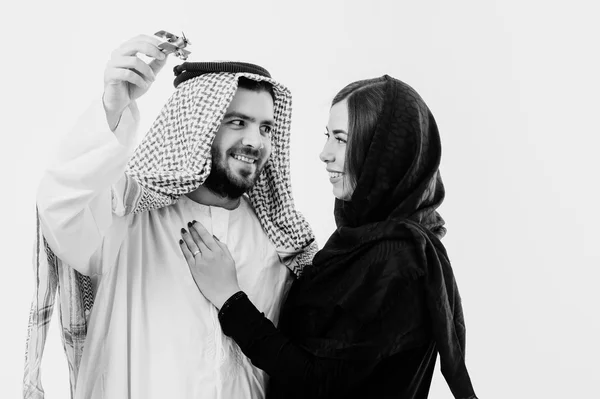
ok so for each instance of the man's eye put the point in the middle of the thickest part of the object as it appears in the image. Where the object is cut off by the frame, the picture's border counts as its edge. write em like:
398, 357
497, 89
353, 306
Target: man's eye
237, 122
267, 129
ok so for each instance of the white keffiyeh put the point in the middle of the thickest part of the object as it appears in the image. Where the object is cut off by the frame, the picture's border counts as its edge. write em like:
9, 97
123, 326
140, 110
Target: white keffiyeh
174, 159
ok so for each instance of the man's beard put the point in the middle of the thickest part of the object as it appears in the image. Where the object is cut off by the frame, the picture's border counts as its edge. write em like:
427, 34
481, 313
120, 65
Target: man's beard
223, 182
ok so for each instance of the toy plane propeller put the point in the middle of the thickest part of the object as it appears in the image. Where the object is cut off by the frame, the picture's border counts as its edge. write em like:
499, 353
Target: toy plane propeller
174, 44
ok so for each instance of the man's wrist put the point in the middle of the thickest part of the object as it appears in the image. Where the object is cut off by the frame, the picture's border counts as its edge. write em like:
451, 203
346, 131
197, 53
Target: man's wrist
113, 114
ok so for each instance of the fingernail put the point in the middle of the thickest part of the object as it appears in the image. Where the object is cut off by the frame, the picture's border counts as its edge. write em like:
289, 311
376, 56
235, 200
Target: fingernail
180, 242
189, 224
194, 222
183, 231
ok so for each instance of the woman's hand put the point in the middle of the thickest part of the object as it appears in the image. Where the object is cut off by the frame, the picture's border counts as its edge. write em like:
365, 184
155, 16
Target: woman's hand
210, 262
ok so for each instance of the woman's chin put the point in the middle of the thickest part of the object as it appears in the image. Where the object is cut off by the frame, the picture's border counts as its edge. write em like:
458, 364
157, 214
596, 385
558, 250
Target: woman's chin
341, 196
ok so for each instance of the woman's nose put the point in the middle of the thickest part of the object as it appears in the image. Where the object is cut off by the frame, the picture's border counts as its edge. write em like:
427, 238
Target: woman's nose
326, 154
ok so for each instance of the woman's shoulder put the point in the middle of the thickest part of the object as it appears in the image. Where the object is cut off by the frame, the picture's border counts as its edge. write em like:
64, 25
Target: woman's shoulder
396, 259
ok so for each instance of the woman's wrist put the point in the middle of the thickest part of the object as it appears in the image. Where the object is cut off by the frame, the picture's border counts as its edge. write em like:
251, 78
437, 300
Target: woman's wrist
225, 295
230, 302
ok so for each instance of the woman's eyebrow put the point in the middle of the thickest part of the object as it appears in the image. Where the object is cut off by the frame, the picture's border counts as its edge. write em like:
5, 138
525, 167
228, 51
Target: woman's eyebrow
337, 131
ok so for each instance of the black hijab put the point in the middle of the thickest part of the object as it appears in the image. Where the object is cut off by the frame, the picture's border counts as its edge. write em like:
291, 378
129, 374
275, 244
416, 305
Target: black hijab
388, 236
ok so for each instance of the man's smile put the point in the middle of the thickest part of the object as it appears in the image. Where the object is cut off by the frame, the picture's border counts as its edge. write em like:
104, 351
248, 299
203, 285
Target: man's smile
244, 158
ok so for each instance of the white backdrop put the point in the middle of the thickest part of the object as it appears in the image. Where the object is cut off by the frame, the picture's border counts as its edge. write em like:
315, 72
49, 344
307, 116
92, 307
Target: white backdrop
514, 88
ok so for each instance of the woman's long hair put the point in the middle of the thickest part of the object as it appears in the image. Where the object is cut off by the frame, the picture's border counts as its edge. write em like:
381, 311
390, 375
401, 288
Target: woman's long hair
364, 101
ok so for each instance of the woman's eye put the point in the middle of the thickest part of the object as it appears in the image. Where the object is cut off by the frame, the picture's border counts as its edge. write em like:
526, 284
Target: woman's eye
340, 140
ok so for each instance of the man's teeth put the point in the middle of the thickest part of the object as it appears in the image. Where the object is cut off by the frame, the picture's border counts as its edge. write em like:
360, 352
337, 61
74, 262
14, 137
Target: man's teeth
243, 158
333, 175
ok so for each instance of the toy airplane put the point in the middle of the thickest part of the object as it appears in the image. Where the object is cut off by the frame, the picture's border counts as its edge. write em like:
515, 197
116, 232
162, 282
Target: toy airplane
174, 44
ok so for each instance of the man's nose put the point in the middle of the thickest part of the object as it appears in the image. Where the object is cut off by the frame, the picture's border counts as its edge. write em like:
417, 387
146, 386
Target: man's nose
252, 137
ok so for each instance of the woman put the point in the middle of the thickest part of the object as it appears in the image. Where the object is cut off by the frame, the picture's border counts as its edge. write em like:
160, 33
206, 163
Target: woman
380, 301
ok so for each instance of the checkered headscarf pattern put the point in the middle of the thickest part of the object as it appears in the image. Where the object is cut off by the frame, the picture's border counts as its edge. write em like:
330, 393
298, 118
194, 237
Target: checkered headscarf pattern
174, 159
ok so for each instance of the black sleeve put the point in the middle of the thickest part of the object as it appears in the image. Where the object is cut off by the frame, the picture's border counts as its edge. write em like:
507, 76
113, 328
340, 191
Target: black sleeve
302, 373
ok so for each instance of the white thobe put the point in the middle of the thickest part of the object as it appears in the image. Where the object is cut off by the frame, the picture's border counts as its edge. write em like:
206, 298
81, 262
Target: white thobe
152, 334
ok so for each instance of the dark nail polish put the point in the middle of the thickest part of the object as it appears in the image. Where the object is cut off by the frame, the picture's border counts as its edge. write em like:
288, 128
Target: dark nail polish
183, 231
180, 242
194, 222
189, 224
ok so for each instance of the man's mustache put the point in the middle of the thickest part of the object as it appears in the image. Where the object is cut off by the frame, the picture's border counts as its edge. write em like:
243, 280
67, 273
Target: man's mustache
247, 152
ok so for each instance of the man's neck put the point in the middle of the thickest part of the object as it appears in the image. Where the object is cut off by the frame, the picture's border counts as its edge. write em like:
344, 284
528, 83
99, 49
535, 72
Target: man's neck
203, 195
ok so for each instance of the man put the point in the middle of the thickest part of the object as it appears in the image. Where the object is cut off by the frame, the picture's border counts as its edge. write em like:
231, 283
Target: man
112, 211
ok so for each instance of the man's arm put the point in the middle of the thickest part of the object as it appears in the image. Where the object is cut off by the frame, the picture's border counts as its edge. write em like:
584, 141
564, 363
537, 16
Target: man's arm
75, 196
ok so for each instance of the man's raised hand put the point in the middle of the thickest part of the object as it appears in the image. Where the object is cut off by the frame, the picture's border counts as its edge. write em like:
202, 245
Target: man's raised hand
127, 77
